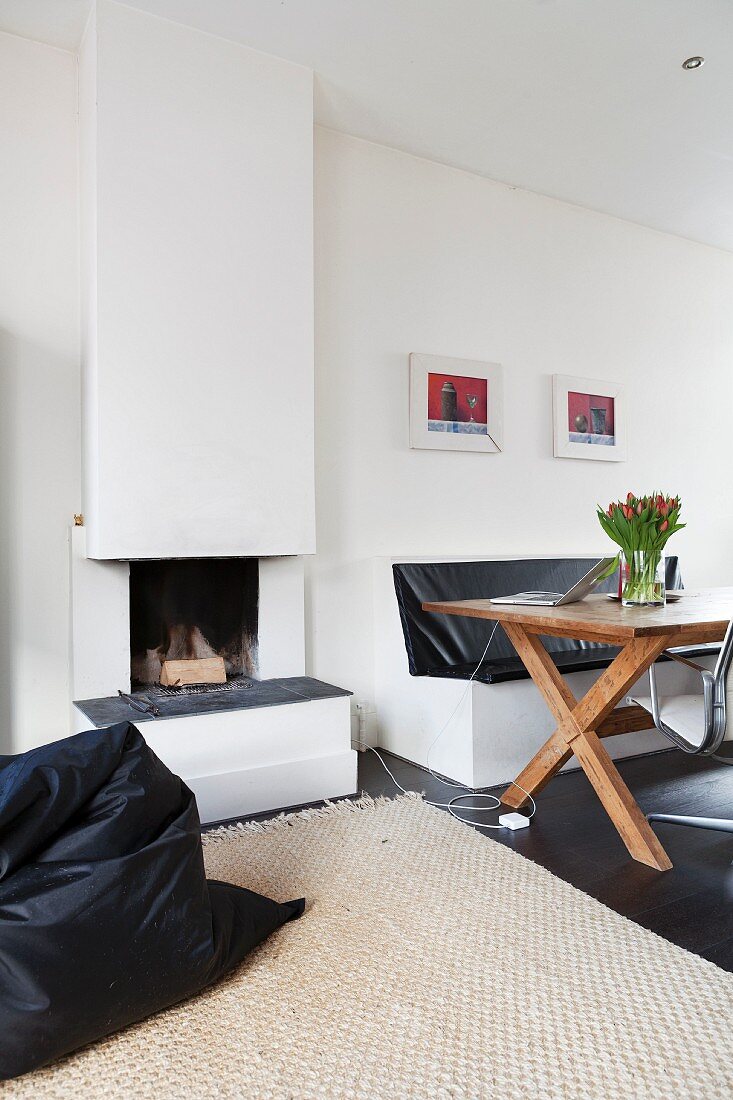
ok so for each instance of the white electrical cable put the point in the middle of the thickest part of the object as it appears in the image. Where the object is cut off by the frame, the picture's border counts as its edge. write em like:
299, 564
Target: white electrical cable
455, 710
449, 805
448, 782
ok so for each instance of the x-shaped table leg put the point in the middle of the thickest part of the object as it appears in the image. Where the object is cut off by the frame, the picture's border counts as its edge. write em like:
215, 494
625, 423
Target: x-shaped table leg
576, 734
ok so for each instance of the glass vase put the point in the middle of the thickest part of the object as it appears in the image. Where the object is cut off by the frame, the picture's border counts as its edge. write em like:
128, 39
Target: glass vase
643, 579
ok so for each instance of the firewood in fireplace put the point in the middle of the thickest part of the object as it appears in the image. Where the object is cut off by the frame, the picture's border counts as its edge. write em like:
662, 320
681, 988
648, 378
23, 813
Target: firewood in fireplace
204, 670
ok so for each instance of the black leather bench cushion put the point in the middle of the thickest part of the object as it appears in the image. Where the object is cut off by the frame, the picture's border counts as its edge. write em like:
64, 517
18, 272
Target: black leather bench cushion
511, 668
451, 645
508, 668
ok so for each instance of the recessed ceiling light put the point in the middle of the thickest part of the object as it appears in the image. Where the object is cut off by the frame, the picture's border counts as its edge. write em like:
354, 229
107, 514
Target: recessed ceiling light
693, 63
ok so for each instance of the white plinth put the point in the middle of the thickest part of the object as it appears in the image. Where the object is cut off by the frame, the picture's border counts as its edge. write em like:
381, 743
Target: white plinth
249, 761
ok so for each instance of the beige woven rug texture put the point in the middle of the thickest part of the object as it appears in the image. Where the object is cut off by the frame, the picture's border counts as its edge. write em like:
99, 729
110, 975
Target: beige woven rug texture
431, 962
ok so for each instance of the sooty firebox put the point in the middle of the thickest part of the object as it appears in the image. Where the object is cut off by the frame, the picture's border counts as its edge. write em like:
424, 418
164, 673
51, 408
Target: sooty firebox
194, 607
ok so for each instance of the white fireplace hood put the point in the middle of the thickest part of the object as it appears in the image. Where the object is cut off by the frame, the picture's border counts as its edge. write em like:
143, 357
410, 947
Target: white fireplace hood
197, 273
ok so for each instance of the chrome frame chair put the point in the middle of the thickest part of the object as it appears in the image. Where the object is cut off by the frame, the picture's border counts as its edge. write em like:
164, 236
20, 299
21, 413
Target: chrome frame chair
714, 722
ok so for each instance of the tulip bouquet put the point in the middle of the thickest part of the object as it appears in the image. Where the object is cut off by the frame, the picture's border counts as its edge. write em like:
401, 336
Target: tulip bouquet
641, 527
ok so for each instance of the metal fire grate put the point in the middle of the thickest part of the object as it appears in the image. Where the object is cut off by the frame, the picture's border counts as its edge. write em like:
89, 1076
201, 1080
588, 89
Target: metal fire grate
239, 683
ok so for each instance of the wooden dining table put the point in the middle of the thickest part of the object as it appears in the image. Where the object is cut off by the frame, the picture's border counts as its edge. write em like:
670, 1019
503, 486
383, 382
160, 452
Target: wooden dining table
642, 633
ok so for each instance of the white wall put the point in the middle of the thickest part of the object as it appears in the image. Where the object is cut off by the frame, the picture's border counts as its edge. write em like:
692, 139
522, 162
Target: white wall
414, 256
197, 203
39, 386
411, 256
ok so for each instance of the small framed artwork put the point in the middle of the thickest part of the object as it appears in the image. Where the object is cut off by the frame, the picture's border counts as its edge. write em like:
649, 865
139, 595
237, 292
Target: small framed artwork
589, 419
455, 404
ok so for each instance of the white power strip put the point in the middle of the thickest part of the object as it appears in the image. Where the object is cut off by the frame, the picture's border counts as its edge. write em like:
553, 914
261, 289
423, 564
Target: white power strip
514, 821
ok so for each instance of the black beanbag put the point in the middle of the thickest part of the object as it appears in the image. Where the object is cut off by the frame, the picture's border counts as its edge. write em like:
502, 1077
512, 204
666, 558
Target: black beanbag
105, 912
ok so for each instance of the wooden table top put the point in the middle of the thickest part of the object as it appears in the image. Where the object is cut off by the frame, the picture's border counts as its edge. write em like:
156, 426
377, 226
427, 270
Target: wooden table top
699, 616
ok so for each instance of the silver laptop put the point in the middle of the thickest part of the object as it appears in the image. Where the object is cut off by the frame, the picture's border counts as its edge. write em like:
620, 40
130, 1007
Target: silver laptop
585, 585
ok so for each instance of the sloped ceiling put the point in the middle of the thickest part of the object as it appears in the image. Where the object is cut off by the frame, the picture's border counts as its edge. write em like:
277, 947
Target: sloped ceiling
582, 100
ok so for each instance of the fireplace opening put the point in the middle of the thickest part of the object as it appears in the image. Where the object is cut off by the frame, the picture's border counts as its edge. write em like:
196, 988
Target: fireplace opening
192, 608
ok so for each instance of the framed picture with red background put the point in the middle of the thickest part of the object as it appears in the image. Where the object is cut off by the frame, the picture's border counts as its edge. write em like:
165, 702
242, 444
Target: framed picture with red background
455, 404
589, 419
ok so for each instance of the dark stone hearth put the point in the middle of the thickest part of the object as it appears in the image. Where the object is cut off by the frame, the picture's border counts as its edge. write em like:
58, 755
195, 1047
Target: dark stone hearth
257, 693
308, 687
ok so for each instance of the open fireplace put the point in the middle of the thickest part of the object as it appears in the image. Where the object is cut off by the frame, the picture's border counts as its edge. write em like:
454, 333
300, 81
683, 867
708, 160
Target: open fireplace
269, 737
191, 608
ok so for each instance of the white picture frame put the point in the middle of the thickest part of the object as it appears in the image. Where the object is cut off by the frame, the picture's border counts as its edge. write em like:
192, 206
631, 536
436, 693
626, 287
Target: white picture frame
476, 401
575, 418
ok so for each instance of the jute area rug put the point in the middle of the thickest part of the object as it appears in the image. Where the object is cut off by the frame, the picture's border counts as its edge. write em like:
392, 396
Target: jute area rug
431, 962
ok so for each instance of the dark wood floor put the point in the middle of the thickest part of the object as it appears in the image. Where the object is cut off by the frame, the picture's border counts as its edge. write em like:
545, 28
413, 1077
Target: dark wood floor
570, 835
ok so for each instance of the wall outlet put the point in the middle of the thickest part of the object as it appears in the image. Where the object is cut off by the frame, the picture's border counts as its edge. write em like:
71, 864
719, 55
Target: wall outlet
364, 733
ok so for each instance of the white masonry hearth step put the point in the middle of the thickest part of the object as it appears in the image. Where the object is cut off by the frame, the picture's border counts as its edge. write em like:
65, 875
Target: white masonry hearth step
247, 761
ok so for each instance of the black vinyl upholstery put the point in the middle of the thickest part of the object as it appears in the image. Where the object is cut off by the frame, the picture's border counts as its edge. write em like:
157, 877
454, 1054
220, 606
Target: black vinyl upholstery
450, 646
